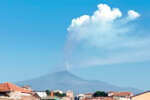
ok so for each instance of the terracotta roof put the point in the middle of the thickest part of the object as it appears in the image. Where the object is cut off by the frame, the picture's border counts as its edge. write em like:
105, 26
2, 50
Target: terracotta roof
7, 87
119, 94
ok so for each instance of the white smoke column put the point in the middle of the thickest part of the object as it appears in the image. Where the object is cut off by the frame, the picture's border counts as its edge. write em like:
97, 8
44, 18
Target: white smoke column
68, 48
105, 28
67, 66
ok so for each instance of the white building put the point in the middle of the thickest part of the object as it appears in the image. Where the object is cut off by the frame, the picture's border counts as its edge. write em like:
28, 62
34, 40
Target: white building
69, 94
41, 94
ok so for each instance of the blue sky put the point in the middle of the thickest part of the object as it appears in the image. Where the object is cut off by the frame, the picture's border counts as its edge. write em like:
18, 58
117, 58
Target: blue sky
33, 35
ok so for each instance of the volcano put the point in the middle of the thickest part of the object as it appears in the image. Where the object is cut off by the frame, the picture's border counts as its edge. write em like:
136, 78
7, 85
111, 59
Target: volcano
65, 80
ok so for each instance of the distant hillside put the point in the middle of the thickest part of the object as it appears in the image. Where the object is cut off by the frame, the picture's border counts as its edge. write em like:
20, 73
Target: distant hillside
65, 80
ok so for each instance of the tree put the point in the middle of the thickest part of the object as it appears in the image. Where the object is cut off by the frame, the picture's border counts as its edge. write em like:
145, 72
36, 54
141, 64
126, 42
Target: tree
100, 94
48, 92
59, 94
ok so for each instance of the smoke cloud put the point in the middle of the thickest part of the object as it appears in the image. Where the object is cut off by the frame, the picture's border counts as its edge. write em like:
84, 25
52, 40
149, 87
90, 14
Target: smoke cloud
108, 30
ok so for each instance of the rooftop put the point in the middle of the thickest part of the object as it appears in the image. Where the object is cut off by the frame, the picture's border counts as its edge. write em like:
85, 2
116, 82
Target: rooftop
8, 87
120, 94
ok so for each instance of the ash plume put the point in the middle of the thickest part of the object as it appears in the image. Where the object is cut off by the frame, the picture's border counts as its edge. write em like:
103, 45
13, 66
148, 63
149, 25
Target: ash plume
107, 29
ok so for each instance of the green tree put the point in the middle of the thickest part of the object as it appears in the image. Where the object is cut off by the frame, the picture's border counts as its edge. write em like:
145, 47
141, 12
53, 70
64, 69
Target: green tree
59, 94
48, 92
100, 94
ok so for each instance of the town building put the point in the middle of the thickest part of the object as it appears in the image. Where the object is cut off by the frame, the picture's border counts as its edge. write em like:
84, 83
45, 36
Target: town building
69, 94
79, 96
142, 96
9, 91
120, 95
88, 95
41, 94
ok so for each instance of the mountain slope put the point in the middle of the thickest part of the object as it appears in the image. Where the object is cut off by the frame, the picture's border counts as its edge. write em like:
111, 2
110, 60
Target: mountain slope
64, 80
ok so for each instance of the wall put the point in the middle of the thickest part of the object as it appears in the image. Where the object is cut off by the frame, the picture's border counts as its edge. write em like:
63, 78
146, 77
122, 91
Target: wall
122, 98
144, 96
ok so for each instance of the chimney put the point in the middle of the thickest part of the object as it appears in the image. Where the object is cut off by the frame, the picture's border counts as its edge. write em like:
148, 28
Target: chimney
52, 94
